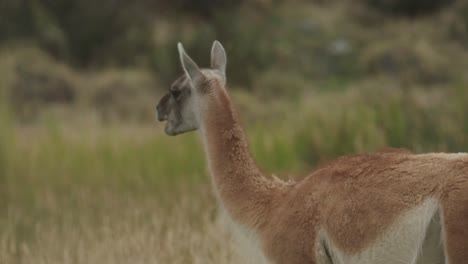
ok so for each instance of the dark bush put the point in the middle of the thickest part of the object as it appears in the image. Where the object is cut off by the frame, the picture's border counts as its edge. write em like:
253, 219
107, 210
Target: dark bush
115, 31
82, 32
206, 9
41, 86
124, 95
16, 19
34, 88
88, 32
249, 40
409, 7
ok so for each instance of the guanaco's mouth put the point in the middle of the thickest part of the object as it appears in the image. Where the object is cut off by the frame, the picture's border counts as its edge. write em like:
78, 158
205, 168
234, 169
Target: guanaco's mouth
162, 108
161, 118
167, 126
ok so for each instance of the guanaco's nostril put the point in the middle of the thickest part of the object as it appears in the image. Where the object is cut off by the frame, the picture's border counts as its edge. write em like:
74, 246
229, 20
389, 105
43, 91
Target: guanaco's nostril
161, 117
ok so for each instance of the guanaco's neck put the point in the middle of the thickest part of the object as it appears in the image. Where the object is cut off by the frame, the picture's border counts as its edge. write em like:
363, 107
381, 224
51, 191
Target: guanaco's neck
240, 185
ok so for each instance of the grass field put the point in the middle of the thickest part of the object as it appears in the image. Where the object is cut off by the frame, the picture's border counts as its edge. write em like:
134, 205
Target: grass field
106, 195
111, 228
88, 177
126, 193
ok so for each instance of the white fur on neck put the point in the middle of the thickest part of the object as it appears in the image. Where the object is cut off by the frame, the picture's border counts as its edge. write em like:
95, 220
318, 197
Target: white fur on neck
248, 244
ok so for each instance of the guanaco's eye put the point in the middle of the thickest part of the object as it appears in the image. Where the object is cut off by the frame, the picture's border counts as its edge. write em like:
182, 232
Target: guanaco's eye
176, 93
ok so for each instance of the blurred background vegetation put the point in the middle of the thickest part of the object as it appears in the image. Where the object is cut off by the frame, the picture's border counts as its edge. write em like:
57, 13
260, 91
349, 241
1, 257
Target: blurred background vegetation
83, 164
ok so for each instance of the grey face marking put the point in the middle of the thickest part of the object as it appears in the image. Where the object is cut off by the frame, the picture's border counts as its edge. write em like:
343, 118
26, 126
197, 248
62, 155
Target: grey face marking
179, 107
176, 107
163, 107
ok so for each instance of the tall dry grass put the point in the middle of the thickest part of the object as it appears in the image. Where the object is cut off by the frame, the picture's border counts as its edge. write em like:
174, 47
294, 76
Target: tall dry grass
88, 192
87, 177
109, 228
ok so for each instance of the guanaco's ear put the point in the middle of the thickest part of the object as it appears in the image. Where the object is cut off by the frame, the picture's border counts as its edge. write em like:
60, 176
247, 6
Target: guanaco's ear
190, 67
218, 58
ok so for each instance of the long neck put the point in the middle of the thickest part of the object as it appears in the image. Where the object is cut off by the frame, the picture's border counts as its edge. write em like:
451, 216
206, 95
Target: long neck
240, 185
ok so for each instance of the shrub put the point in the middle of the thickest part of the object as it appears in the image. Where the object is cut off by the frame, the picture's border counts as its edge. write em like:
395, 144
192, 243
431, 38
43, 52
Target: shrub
96, 31
16, 19
409, 7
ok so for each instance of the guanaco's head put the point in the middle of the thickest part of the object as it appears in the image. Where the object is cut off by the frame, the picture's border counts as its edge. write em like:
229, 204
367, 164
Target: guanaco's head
182, 107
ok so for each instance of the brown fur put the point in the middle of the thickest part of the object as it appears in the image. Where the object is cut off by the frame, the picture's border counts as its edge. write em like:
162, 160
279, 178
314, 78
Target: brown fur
354, 198
350, 203
243, 190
